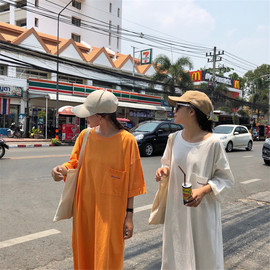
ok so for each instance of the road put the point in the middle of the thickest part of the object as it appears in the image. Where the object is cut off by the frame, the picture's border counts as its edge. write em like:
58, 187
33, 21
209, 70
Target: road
28, 197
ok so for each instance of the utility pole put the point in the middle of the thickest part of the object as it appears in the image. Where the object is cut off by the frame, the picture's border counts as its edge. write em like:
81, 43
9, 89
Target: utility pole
57, 71
133, 65
215, 57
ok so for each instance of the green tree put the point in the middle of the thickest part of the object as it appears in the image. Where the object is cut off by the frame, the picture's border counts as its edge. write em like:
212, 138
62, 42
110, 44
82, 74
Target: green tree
257, 87
173, 75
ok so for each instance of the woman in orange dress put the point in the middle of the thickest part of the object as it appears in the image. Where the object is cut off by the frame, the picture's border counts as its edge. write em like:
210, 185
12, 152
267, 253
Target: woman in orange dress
110, 177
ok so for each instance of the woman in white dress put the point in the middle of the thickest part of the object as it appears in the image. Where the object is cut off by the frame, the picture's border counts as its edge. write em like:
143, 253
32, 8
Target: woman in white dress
192, 236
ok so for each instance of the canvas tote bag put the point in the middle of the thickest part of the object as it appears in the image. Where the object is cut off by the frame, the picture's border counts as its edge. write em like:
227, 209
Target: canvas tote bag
65, 206
157, 215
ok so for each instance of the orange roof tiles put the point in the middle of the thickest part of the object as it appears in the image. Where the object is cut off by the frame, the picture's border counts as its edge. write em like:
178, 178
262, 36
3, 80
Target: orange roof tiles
143, 68
26, 34
15, 34
121, 60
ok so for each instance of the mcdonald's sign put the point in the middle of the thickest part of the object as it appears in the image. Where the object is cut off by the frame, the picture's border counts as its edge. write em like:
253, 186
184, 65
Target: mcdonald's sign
196, 76
236, 84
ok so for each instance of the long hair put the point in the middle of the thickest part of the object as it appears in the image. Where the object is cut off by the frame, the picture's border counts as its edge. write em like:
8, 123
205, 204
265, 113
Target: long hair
204, 123
113, 119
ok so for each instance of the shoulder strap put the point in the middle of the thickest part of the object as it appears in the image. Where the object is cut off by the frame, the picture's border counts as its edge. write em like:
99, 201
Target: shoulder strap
83, 146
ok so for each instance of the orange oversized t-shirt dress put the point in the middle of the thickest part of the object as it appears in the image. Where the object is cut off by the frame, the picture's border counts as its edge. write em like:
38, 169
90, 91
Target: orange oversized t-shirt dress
110, 173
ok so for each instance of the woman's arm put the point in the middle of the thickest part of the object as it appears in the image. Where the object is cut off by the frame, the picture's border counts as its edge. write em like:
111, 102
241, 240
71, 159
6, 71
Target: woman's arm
128, 224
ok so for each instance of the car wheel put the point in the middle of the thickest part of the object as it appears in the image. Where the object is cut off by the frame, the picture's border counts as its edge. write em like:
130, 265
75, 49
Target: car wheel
148, 149
267, 162
249, 146
229, 147
2, 151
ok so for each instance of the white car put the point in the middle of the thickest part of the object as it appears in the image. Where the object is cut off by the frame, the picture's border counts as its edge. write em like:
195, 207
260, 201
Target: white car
234, 136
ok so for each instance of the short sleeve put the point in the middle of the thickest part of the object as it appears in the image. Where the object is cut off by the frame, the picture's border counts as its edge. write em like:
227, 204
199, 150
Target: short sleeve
75, 154
136, 178
222, 177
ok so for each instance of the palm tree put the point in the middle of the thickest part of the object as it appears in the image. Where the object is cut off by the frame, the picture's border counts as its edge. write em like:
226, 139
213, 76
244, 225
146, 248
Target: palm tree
173, 75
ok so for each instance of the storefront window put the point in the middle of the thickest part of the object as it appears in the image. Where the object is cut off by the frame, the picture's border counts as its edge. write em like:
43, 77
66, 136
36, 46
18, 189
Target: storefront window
70, 79
3, 69
25, 74
7, 119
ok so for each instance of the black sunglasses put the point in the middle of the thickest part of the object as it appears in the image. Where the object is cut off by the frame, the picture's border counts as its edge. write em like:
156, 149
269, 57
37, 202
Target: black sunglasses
179, 105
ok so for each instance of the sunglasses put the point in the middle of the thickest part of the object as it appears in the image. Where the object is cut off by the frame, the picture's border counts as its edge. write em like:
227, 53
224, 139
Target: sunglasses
179, 105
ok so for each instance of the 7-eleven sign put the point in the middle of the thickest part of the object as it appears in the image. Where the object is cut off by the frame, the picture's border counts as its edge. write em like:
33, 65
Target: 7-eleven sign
146, 57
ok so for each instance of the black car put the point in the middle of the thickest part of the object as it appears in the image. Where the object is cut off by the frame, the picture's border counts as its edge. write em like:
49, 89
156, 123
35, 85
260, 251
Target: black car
152, 136
266, 151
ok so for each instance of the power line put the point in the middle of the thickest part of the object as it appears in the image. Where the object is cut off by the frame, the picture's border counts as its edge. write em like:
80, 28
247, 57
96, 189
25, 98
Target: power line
160, 43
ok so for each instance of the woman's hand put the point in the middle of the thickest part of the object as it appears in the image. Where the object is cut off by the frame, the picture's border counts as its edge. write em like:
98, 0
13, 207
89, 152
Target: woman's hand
59, 172
197, 195
163, 171
128, 226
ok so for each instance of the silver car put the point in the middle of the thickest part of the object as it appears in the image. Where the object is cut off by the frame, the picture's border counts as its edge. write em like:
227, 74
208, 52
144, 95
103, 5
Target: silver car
234, 136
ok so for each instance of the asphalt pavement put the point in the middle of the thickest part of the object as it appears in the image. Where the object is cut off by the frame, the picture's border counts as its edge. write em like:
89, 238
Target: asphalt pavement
29, 198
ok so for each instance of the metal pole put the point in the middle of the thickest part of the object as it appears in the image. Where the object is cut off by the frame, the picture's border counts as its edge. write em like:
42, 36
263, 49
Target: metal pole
57, 71
214, 65
46, 123
133, 70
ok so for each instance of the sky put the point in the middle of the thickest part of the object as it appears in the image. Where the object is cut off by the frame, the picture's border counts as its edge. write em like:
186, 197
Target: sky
240, 28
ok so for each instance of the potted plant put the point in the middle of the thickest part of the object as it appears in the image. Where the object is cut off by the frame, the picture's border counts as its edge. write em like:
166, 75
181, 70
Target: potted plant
35, 133
55, 142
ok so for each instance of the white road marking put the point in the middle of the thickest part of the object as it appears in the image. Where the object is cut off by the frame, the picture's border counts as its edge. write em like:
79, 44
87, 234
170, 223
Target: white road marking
142, 208
34, 236
26, 238
250, 181
247, 156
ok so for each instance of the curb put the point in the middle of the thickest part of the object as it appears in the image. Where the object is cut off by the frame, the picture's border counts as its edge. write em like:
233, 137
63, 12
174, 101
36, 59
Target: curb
29, 145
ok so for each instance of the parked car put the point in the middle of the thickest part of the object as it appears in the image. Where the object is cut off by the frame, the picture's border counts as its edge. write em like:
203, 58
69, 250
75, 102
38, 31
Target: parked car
266, 151
234, 136
152, 136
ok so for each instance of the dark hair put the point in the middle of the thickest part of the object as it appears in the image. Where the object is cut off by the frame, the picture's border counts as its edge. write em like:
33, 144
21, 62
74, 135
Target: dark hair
203, 121
113, 119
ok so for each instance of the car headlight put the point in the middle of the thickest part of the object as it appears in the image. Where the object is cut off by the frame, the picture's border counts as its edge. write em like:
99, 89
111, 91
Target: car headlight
223, 137
139, 137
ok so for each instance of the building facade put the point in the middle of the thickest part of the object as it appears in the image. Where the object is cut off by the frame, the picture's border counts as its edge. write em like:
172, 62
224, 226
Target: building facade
94, 23
28, 79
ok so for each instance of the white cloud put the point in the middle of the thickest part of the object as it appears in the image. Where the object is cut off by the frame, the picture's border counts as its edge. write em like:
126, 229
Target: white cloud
231, 32
181, 19
261, 28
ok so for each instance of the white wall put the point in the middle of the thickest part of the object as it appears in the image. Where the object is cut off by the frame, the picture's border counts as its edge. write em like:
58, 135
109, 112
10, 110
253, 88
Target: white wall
96, 10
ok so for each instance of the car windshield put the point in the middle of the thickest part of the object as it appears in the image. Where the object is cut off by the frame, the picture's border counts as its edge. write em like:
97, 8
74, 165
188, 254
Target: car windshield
222, 130
146, 127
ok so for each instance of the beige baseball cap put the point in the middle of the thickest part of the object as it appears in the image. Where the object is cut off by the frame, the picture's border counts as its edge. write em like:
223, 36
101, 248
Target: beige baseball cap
198, 99
99, 101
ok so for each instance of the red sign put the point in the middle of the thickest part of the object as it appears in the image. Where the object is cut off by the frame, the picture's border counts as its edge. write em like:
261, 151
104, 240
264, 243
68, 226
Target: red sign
196, 76
236, 84
69, 131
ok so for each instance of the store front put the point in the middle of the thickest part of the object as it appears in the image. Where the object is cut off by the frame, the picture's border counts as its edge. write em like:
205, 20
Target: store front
42, 98
10, 106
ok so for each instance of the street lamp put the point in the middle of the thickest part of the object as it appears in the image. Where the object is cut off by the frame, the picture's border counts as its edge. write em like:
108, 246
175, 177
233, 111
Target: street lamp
57, 71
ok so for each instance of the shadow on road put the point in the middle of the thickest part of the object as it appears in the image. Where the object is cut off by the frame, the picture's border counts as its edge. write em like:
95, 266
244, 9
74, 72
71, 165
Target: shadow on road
246, 236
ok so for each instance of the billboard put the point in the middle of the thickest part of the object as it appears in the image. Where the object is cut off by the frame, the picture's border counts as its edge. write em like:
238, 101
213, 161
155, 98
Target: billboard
203, 75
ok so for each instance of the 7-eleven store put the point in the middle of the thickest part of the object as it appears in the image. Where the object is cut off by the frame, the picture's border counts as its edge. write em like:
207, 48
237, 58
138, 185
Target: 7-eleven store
42, 104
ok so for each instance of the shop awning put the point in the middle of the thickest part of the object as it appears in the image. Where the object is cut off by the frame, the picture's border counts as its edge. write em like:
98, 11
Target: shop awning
75, 99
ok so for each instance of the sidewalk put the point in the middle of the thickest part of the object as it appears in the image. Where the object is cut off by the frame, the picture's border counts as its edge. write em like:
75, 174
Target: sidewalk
29, 142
